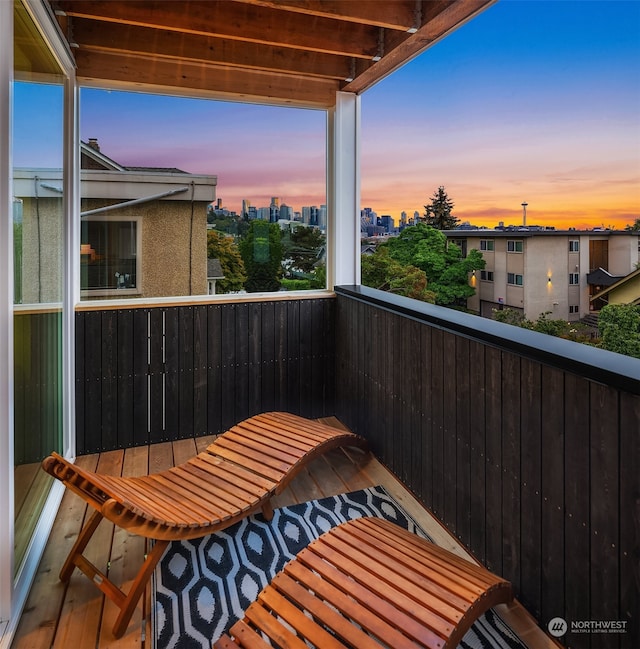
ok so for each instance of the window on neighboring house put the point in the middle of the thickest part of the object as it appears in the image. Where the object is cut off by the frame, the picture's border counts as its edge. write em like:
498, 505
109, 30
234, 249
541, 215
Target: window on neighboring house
486, 244
574, 245
514, 279
486, 275
574, 278
110, 256
574, 308
514, 246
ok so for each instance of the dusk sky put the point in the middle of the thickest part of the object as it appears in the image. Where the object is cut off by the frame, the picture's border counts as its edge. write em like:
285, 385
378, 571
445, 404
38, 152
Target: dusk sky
535, 101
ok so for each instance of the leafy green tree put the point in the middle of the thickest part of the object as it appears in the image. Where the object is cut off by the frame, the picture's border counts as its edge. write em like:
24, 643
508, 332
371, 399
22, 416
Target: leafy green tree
225, 249
382, 272
438, 212
575, 331
633, 227
237, 226
619, 326
302, 248
262, 253
447, 271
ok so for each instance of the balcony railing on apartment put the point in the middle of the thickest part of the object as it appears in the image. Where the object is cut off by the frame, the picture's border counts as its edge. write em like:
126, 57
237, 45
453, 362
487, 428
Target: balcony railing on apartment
525, 446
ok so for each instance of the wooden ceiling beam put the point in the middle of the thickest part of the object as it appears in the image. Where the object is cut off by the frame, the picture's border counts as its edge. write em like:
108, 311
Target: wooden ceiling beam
444, 16
215, 81
399, 15
206, 50
236, 21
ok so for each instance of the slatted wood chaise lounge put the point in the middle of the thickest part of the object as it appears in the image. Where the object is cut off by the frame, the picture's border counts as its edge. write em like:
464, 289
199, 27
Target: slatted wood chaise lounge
235, 476
365, 584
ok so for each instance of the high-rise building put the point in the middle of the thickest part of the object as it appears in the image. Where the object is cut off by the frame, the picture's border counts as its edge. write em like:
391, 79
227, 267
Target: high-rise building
274, 210
322, 217
286, 212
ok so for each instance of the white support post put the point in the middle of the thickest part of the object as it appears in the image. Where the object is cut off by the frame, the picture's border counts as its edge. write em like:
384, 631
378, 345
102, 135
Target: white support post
343, 180
6, 316
71, 293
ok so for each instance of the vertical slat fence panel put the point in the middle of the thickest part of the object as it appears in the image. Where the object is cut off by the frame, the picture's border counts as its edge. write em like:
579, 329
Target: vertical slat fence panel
603, 501
241, 362
140, 349
423, 360
511, 409
629, 550
552, 542
163, 373
449, 427
172, 346
200, 374
214, 369
550, 481
109, 379
254, 361
290, 372
227, 334
462, 395
186, 352
437, 415
272, 355
125, 378
306, 384
156, 380
577, 489
529, 555
493, 485
276, 335
477, 451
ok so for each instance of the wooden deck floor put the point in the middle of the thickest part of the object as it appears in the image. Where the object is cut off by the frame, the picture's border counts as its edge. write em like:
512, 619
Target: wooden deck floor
76, 615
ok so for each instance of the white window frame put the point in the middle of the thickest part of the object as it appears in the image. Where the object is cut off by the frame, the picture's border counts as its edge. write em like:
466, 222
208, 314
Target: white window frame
487, 245
515, 277
119, 292
574, 245
486, 275
574, 279
15, 589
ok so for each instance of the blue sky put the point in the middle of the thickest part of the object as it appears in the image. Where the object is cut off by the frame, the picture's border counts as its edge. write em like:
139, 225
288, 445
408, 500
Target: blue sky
532, 100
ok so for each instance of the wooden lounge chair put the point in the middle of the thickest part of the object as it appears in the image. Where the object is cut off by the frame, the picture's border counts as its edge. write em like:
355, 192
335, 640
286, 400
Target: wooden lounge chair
364, 584
237, 475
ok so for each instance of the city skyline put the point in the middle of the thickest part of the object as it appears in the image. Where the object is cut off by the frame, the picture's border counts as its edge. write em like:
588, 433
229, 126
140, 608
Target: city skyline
534, 101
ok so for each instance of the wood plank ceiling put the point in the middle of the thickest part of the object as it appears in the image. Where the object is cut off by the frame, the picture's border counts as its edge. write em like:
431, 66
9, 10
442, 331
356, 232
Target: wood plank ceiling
283, 51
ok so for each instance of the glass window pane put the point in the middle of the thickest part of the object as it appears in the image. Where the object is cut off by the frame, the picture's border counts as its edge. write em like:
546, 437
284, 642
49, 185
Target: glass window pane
200, 179
38, 231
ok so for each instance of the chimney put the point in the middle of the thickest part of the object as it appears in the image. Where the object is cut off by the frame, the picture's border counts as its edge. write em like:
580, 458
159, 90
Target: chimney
93, 143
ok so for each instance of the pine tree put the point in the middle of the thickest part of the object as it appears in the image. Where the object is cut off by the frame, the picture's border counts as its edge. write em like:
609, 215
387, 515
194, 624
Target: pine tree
438, 213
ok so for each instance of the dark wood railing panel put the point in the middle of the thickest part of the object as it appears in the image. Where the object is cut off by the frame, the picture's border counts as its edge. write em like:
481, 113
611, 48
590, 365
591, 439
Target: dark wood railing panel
162, 373
526, 449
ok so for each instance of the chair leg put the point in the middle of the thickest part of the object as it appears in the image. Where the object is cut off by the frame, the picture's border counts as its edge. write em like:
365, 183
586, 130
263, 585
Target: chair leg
126, 602
267, 510
79, 546
128, 606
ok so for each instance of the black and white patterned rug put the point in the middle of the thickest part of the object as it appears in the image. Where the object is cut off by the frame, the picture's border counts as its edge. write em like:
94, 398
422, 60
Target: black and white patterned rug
201, 587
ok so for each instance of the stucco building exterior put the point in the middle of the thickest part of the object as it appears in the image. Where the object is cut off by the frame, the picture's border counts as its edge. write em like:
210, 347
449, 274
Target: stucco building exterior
551, 271
143, 230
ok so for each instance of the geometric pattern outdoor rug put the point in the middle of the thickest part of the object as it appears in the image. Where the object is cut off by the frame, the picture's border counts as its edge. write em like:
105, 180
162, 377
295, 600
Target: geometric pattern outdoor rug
201, 587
